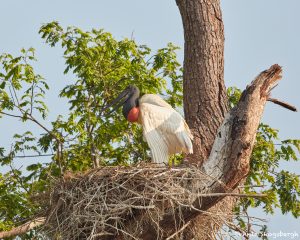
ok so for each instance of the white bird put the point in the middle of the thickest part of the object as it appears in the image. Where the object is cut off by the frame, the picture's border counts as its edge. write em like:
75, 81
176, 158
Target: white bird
164, 129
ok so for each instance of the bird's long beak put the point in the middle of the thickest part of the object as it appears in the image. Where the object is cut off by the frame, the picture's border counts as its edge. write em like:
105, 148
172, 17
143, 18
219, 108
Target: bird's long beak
123, 96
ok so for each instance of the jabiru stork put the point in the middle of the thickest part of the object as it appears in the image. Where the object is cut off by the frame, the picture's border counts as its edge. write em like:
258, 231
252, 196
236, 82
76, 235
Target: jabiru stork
164, 129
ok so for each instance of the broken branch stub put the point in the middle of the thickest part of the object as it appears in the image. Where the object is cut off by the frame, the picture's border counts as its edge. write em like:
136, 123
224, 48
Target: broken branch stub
229, 159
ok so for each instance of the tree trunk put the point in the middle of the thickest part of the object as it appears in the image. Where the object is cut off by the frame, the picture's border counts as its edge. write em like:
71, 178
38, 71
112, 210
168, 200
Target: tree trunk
205, 101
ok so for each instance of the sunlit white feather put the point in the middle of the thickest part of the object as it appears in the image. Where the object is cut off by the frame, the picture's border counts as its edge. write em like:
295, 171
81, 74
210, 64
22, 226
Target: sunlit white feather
164, 129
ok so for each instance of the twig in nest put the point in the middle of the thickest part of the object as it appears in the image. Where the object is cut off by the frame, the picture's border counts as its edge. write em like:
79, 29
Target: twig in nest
282, 104
232, 195
179, 231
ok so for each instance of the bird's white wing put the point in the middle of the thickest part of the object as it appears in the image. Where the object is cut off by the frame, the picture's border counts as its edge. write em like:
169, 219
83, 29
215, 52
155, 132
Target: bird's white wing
158, 101
164, 131
155, 100
158, 147
151, 120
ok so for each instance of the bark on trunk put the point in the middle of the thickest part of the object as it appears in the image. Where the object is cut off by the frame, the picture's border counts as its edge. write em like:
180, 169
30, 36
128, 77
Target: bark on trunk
205, 101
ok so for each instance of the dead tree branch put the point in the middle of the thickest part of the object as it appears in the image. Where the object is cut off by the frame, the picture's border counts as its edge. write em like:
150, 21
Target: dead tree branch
283, 104
23, 228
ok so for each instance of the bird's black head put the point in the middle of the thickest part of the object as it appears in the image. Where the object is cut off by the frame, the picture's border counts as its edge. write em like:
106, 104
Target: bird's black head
132, 101
129, 98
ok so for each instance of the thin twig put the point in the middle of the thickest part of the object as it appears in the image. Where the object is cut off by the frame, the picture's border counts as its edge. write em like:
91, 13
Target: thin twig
232, 195
10, 115
36, 155
179, 231
31, 97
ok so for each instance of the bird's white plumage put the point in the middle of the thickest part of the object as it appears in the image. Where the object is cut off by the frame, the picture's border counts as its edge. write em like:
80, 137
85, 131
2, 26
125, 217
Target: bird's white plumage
164, 129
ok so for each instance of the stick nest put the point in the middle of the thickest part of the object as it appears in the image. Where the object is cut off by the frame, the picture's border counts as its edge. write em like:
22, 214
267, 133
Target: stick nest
120, 201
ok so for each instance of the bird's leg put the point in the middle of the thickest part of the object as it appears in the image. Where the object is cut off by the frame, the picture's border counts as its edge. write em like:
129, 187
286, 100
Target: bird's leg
170, 166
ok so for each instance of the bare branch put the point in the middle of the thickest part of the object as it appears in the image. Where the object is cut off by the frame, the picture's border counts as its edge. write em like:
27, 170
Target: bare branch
179, 231
283, 104
232, 195
10, 115
23, 228
35, 155
31, 97
43, 127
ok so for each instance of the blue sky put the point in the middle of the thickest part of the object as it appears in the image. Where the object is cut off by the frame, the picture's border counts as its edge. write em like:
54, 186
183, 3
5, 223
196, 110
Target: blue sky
258, 34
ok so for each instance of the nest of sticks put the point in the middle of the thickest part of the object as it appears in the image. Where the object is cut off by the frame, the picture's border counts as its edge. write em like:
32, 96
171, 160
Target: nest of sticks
119, 201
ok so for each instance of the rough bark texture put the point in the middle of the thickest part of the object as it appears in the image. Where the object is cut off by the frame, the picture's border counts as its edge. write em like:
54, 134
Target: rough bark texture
205, 101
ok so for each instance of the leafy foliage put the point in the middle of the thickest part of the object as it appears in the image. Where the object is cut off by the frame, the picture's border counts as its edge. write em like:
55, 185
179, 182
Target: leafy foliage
101, 67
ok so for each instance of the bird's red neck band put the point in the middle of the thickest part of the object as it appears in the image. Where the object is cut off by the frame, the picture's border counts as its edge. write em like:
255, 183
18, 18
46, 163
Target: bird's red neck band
133, 114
